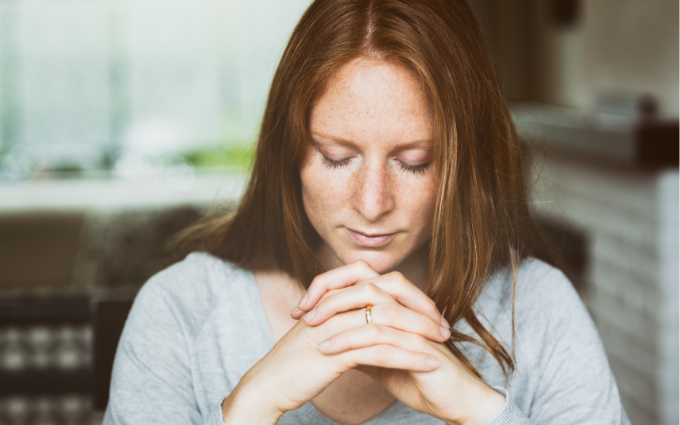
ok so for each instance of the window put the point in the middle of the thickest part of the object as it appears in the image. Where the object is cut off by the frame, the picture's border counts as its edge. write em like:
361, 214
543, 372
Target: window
85, 84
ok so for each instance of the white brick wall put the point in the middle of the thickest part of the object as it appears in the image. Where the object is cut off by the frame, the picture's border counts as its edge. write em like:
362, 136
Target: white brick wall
669, 276
630, 217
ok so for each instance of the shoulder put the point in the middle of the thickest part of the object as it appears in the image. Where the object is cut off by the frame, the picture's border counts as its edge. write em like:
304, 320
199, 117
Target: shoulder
189, 291
539, 287
547, 309
551, 324
155, 359
546, 302
544, 297
540, 284
560, 363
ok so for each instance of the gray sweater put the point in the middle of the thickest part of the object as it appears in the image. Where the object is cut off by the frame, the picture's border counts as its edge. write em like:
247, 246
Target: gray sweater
198, 326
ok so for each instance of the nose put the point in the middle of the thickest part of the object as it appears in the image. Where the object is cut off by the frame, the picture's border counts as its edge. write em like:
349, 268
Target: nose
372, 194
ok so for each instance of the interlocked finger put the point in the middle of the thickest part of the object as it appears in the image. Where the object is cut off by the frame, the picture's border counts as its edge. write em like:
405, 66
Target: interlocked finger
359, 274
351, 298
397, 316
334, 279
369, 335
407, 294
389, 314
388, 356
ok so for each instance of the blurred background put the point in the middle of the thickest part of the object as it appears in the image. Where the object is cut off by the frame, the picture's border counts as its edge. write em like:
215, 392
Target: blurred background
123, 121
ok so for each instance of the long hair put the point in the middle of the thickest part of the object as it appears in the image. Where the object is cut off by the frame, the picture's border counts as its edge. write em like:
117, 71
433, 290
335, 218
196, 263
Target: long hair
481, 221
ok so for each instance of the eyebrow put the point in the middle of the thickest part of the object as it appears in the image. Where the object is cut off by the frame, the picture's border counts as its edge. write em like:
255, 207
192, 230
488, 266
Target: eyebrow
350, 144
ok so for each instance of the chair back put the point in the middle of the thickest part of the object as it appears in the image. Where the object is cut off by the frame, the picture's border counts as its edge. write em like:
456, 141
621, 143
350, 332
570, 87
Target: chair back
108, 319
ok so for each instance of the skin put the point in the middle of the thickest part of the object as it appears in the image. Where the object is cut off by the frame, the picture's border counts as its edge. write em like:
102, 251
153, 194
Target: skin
376, 121
369, 191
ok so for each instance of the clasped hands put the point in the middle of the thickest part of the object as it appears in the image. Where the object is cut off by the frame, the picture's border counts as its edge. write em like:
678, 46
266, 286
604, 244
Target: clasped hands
404, 341
402, 349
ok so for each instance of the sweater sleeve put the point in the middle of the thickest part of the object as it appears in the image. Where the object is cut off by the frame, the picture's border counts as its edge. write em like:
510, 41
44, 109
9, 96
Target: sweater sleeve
152, 377
564, 359
217, 416
510, 414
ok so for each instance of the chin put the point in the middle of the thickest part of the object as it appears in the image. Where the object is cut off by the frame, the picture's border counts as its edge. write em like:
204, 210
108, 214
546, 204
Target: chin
381, 262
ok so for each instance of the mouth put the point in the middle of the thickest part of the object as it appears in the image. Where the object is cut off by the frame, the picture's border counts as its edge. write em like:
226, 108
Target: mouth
371, 240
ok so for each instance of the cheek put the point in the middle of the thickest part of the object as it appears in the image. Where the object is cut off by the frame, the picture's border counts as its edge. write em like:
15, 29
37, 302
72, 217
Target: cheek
323, 192
418, 198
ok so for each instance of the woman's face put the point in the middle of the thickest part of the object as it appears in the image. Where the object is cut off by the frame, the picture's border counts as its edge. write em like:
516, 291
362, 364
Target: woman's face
368, 185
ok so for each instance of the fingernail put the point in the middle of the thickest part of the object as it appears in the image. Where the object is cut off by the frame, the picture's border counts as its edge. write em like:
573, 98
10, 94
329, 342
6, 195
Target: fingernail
295, 310
324, 344
445, 323
308, 316
303, 300
432, 362
446, 333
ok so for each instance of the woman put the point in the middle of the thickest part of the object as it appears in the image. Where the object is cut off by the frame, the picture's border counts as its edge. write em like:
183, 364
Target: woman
386, 202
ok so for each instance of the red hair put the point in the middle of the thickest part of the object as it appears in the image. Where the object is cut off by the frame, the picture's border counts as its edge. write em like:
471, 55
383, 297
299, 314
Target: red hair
481, 221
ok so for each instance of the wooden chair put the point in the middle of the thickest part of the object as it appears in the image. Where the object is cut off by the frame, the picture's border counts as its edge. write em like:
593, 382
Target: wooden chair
23, 314
108, 319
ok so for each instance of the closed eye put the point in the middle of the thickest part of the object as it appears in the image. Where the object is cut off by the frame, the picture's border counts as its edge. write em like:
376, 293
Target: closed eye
416, 169
332, 163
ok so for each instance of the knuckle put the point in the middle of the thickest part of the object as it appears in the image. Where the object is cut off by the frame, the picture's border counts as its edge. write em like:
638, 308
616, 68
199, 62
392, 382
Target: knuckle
389, 311
366, 268
432, 306
370, 288
398, 277
317, 281
375, 331
383, 354
363, 264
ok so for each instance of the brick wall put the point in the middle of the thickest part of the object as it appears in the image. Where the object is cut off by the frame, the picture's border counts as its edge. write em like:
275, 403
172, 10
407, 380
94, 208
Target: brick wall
630, 218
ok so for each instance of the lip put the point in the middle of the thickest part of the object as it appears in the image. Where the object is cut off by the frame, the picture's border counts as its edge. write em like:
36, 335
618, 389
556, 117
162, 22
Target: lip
371, 241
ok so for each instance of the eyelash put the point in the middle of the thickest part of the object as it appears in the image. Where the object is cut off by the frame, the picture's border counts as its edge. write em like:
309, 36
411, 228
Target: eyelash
334, 164
417, 169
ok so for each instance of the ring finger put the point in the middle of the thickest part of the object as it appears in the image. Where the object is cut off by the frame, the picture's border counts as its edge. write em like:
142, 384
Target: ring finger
347, 299
396, 316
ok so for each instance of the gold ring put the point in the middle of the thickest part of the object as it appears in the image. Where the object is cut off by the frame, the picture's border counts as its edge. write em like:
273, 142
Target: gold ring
369, 319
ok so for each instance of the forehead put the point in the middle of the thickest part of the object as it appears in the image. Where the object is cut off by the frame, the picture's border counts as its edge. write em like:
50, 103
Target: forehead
376, 102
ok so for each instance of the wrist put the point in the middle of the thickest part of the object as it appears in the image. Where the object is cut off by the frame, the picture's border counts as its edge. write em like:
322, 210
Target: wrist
484, 407
243, 406
491, 405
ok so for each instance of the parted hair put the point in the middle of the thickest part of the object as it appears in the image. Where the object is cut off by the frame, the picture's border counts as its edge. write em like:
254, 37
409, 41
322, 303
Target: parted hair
481, 220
